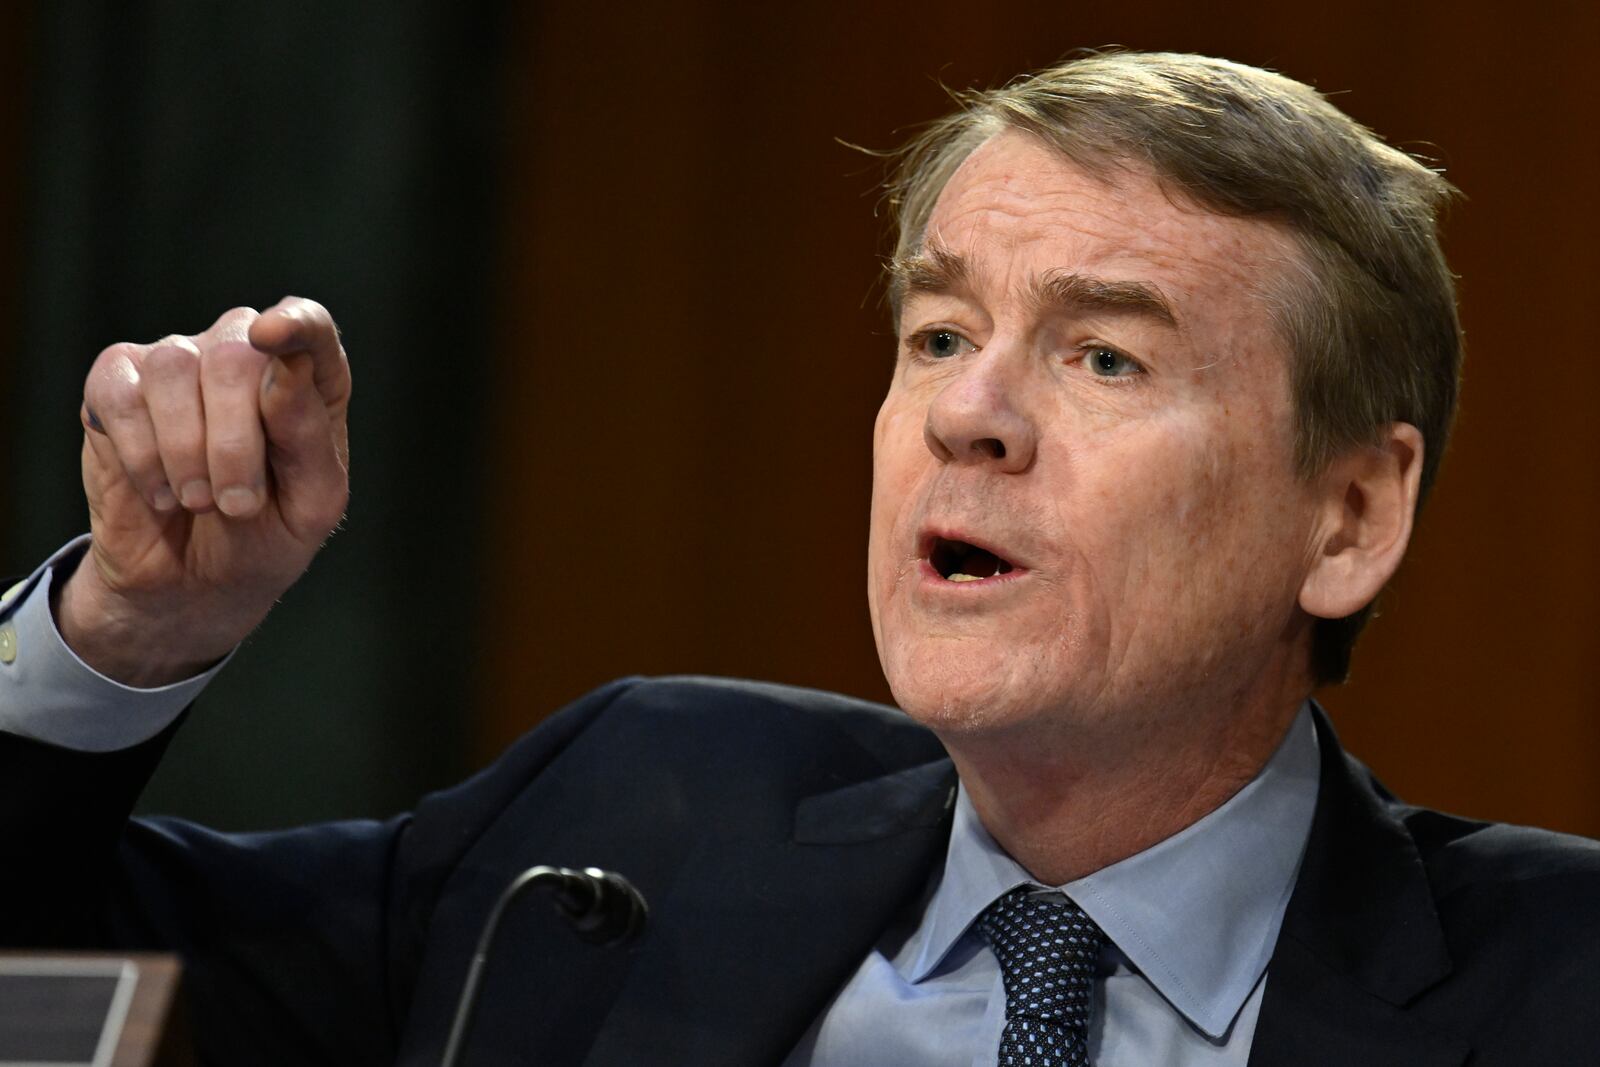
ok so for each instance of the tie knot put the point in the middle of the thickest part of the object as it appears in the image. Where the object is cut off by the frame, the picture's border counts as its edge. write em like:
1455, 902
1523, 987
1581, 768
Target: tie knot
1048, 950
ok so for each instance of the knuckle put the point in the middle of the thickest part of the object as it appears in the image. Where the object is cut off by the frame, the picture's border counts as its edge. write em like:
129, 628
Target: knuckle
117, 350
231, 325
114, 359
234, 362
172, 339
113, 395
172, 357
113, 387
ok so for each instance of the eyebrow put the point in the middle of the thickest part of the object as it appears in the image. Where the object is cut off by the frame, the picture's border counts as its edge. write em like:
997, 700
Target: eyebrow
932, 269
936, 270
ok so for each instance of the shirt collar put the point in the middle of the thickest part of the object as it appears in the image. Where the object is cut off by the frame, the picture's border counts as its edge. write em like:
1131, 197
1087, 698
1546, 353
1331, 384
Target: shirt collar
1197, 914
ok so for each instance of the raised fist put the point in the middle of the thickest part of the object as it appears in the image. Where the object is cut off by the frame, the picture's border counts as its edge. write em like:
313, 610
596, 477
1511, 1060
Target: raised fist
215, 466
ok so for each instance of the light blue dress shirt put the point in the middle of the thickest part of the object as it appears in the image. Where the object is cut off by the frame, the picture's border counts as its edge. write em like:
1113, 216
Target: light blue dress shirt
1190, 922
1190, 925
49, 694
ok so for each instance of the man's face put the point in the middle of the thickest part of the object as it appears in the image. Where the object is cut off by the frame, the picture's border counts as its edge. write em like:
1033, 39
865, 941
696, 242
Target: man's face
1085, 513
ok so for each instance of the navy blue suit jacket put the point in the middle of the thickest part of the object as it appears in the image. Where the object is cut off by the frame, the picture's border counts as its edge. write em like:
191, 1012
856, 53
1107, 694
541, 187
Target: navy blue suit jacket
776, 833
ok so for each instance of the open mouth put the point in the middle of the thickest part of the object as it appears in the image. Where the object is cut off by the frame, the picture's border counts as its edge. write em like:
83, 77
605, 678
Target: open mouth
958, 561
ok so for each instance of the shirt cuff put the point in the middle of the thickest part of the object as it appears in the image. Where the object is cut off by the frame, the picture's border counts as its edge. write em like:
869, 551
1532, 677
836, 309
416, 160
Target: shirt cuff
48, 694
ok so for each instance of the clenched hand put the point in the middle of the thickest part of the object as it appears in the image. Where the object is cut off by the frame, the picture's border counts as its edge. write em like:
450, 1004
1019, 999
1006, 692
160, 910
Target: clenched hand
215, 466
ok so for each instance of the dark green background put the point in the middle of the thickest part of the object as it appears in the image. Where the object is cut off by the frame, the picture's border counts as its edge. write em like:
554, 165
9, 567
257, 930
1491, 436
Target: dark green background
187, 158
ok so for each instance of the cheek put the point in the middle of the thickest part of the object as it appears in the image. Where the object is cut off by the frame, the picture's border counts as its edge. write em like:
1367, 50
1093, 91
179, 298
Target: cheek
1168, 513
898, 458
1223, 547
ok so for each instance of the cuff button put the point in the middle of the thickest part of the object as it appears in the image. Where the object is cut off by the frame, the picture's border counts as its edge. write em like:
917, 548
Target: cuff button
8, 644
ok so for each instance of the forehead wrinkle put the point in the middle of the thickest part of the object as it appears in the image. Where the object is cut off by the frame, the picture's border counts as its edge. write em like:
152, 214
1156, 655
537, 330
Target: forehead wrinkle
937, 269
1069, 292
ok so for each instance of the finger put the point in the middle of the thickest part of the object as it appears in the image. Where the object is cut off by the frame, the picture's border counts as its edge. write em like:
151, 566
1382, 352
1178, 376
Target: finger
171, 373
232, 325
103, 474
296, 324
304, 448
230, 384
115, 396
106, 463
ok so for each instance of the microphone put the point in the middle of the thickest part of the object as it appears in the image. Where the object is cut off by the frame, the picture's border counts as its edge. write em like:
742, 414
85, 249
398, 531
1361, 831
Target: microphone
602, 908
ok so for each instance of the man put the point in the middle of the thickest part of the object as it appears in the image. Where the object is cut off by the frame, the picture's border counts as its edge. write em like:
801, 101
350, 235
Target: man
1178, 355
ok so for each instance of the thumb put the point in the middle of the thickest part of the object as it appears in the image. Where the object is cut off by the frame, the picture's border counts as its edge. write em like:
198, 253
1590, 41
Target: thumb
307, 448
298, 325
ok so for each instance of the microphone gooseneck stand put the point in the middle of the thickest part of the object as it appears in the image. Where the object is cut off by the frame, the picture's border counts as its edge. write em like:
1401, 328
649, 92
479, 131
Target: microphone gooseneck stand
601, 906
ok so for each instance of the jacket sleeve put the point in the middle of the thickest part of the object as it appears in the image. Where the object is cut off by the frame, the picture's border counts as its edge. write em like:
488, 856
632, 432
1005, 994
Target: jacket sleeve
299, 946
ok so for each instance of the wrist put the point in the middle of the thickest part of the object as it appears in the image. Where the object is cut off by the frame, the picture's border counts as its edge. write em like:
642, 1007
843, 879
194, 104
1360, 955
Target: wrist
136, 646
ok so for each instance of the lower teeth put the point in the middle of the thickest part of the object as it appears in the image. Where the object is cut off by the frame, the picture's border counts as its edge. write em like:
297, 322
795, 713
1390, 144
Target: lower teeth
964, 578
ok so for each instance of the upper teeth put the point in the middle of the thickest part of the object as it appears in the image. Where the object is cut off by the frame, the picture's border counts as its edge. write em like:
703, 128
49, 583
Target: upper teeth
959, 577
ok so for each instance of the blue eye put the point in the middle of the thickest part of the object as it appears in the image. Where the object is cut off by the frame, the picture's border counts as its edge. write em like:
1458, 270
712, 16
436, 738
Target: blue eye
942, 343
1109, 363
936, 344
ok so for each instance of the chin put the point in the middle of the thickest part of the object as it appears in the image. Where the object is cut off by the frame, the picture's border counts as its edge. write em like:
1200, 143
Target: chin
957, 691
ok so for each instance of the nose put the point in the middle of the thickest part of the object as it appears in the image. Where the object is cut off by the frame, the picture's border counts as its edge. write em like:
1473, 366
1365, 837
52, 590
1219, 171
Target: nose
978, 416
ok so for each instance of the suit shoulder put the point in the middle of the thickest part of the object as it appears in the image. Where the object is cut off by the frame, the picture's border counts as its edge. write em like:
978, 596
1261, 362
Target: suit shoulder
700, 724
1519, 909
698, 695
1468, 851
1506, 870
654, 757
758, 716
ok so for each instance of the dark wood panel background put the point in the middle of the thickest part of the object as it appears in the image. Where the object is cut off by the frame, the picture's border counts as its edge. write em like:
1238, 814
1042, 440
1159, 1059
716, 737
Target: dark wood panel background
691, 350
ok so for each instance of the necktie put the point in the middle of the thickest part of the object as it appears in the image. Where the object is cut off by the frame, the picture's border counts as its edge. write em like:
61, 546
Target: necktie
1048, 949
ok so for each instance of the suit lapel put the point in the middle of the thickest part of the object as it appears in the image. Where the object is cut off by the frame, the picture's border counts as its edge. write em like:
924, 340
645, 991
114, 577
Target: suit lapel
748, 946
1360, 941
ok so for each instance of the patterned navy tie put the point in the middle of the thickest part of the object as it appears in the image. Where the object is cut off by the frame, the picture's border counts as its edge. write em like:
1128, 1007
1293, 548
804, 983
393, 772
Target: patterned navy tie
1048, 950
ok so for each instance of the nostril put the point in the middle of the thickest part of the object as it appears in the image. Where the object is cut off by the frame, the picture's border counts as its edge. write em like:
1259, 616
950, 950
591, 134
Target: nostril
935, 445
992, 447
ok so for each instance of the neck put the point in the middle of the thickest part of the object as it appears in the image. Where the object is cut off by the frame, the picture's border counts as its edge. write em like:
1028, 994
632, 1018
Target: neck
1064, 816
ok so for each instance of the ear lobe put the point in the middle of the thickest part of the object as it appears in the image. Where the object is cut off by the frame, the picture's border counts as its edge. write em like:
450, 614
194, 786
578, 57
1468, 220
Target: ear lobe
1369, 501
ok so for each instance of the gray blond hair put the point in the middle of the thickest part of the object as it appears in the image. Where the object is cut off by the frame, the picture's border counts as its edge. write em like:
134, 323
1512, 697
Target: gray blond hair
1370, 319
